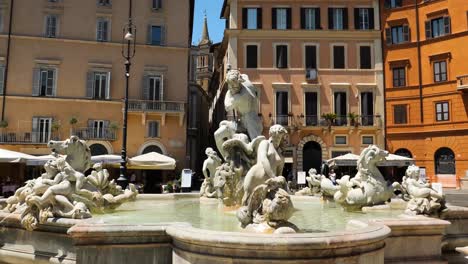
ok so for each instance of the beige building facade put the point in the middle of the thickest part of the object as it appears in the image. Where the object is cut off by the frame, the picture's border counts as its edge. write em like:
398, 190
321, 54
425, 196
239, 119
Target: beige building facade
63, 74
318, 68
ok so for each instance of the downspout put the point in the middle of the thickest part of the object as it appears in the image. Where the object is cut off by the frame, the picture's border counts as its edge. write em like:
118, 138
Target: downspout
418, 42
382, 46
5, 80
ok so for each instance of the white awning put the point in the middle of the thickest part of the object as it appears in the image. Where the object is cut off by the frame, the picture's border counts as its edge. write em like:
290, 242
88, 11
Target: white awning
39, 160
13, 156
152, 161
107, 159
348, 159
391, 160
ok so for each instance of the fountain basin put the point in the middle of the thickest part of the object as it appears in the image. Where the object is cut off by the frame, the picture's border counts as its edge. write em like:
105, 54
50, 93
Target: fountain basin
105, 239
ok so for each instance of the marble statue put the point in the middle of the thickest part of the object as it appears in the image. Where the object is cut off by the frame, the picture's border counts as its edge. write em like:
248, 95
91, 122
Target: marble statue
422, 198
368, 187
64, 191
318, 185
242, 98
209, 170
266, 204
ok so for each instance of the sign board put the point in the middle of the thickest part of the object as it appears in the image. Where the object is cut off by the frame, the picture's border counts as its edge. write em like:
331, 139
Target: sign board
186, 178
438, 187
422, 174
301, 177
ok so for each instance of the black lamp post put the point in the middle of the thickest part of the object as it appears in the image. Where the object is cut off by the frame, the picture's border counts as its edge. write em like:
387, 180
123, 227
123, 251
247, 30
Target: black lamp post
128, 52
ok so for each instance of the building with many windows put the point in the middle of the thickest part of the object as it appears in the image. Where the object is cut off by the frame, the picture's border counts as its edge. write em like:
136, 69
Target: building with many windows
63, 73
318, 69
426, 84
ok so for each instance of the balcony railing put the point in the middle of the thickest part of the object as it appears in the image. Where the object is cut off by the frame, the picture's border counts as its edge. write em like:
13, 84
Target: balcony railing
366, 120
7, 137
462, 82
155, 106
91, 133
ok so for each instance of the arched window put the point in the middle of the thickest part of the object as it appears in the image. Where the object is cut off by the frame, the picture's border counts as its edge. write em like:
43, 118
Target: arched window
404, 152
98, 149
444, 161
152, 148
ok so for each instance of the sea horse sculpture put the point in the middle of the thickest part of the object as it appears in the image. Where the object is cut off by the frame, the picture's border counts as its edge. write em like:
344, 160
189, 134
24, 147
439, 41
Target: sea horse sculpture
368, 187
64, 191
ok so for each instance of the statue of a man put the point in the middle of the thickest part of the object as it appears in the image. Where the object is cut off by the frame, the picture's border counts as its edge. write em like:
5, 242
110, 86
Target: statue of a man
242, 98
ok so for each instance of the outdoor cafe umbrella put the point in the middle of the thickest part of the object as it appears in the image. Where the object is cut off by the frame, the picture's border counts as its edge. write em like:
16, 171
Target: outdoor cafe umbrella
107, 159
391, 160
9, 156
152, 161
39, 160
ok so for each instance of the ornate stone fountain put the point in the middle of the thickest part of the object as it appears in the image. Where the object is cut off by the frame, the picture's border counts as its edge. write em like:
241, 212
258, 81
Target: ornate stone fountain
63, 191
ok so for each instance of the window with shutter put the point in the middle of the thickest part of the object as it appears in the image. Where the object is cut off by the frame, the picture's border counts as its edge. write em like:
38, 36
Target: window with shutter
339, 57
400, 114
311, 57
155, 91
282, 19
440, 71
399, 76
102, 30
399, 34
100, 85
281, 56
339, 18
44, 82
437, 27
51, 26
442, 111
282, 107
311, 108
251, 56
250, 21
365, 57
156, 35
362, 18
309, 18
153, 129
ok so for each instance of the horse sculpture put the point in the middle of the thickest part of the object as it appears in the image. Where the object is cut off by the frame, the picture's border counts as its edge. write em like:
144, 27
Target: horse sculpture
368, 187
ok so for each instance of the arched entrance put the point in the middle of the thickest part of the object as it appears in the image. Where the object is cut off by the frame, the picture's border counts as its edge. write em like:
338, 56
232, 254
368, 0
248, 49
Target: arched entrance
152, 148
444, 161
312, 156
404, 152
98, 149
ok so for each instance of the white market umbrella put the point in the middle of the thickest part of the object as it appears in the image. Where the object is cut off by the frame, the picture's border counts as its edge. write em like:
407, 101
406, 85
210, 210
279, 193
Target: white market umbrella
39, 160
107, 159
393, 160
14, 157
152, 161
348, 159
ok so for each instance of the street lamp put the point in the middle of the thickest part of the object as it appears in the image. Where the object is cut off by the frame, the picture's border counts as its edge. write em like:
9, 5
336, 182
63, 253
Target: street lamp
128, 52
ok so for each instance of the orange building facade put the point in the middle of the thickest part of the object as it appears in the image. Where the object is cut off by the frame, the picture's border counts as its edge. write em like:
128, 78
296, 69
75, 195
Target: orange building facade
426, 84
311, 59
63, 73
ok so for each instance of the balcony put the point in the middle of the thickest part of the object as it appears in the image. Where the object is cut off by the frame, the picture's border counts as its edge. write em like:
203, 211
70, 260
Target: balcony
462, 83
342, 121
91, 133
161, 108
11, 137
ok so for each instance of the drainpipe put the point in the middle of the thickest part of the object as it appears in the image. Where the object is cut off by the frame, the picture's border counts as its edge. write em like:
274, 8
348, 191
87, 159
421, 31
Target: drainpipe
5, 78
382, 46
418, 42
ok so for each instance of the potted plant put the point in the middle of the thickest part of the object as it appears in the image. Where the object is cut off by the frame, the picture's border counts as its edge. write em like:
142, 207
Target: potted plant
114, 126
73, 121
353, 119
329, 118
55, 126
3, 124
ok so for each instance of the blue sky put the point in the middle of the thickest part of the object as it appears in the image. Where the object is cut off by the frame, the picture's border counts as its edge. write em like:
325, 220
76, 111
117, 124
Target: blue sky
215, 25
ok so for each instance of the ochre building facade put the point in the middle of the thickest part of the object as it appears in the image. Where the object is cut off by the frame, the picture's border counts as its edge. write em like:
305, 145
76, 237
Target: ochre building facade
426, 84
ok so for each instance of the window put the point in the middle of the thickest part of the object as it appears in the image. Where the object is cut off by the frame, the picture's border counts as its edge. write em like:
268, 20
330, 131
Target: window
98, 128
282, 107
338, 57
153, 129
440, 71
444, 159
365, 57
98, 85
341, 108
51, 26
104, 2
281, 18
437, 27
157, 4
338, 18
102, 31
399, 76
341, 140
311, 57
310, 18
364, 18
156, 36
442, 111
251, 56
251, 18
400, 114
41, 129
397, 34
311, 108
393, 3
44, 83
281, 56
155, 92
367, 108
367, 140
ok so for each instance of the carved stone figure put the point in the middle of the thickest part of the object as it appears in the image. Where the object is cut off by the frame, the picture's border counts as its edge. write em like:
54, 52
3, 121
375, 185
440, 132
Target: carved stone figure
368, 187
209, 170
242, 98
64, 191
313, 184
422, 198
